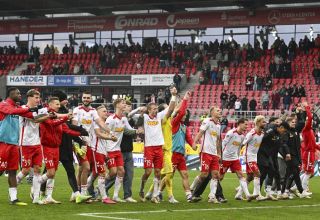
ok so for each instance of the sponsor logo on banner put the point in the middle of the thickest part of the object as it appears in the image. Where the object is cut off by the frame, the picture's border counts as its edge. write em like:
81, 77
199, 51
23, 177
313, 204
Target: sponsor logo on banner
275, 16
138, 160
122, 22
26, 80
161, 79
109, 80
89, 24
67, 80
172, 21
140, 80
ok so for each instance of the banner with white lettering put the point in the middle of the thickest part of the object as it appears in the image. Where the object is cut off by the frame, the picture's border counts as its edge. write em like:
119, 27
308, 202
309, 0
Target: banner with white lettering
188, 20
32, 80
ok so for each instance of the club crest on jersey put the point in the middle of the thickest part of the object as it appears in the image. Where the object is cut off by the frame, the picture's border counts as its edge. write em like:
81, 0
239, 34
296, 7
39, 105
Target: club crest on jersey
152, 123
256, 145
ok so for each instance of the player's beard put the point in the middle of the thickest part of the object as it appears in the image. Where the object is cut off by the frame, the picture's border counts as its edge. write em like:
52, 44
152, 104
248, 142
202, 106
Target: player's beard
87, 105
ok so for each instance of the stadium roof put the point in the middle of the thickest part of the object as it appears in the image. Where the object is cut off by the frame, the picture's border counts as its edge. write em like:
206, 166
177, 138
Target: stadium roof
64, 8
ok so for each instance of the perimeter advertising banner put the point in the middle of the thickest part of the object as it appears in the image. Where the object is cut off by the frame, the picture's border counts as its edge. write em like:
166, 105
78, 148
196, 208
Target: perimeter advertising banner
67, 80
160, 21
109, 80
30, 80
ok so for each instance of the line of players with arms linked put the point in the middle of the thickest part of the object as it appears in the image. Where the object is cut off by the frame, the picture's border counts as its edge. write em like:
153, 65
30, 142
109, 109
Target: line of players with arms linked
31, 134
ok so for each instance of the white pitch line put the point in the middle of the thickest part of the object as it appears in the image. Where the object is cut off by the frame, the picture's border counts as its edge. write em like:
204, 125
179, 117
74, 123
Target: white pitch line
107, 217
107, 214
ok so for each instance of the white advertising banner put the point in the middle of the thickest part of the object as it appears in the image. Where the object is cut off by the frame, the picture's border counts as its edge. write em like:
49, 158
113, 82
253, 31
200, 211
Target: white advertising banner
161, 79
32, 80
152, 80
140, 80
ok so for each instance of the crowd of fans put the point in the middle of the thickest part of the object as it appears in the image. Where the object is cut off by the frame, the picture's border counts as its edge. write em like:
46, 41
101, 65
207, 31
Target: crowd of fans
286, 94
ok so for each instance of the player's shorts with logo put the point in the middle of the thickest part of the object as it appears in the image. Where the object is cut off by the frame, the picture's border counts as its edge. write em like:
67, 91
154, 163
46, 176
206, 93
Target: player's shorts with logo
209, 162
153, 157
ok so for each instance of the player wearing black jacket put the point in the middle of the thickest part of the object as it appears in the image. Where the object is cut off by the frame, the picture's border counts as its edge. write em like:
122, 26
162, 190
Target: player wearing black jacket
267, 155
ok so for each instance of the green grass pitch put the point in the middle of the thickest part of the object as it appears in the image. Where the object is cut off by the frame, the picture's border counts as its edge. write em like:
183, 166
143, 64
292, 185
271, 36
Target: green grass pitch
290, 209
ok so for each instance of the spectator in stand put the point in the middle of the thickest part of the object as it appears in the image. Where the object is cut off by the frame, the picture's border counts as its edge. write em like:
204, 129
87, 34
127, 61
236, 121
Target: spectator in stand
244, 104
317, 41
47, 50
66, 68
282, 91
237, 106
65, 49
167, 95
177, 81
2, 65
292, 49
306, 44
232, 100
224, 124
224, 99
275, 99
161, 97
153, 98
93, 69
259, 83
225, 77
316, 74
249, 83
287, 101
253, 106
272, 68
76, 69
265, 101
301, 91
214, 76
81, 69
219, 76
295, 91
268, 83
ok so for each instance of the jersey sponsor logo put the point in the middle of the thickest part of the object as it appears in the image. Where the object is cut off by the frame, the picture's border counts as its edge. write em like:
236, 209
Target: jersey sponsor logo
236, 143
86, 121
256, 145
213, 134
119, 129
152, 123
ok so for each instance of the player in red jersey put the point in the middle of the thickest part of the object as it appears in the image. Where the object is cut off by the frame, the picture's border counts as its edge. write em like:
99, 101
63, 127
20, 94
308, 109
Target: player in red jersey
308, 149
9, 138
51, 134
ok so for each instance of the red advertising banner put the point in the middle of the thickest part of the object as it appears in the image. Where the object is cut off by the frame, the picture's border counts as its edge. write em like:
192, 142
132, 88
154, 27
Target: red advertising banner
164, 21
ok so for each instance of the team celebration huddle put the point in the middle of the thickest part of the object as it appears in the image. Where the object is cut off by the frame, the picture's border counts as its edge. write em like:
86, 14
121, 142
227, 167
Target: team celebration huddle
279, 155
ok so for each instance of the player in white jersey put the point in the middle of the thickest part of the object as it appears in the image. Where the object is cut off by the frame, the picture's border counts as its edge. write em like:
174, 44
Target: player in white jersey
210, 152
252, 143
30, 145
117, 123
84, 116
153, 154
231, 145
98, 144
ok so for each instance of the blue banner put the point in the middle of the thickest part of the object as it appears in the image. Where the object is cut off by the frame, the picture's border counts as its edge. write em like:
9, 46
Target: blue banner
67, 80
